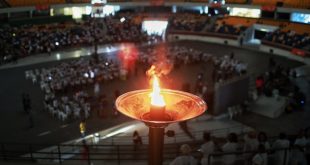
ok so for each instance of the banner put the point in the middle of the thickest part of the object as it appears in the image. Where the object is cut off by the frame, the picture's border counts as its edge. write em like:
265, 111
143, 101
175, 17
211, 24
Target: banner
270, 8
298, 52
42, 7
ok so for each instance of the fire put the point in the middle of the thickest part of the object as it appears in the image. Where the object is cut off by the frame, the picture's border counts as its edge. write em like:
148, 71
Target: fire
157, 98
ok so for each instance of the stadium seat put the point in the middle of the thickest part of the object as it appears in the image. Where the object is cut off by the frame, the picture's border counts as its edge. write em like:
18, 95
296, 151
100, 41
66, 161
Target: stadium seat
42, 2
236, 1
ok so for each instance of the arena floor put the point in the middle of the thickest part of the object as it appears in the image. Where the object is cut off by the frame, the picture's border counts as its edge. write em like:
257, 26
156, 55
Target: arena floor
14, 122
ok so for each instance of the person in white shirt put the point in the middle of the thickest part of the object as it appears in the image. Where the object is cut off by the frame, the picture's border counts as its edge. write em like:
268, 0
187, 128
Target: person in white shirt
230, 146
185, 158
298, 152
97, 89
262, 139
282, 142
251, 144
261, 157
207, 148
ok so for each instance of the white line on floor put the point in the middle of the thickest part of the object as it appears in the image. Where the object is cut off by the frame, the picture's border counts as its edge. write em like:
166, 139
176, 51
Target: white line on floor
64, 126
44, 133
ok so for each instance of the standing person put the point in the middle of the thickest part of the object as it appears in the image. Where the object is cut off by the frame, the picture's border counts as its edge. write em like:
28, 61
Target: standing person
185, 158
261, 157
116, 94
281, 156
207, 148
205, 92
137, 140
230, 146
24, 101
27, 103
259, 83
262, 139
49, 50
83, 128
97, 89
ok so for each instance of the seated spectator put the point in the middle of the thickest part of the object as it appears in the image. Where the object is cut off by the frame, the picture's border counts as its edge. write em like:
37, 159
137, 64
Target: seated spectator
289, 38
263, 139
261, 157
250, 144
207, 148
185, 158
230, 146
281, 158
298, 153
188, 21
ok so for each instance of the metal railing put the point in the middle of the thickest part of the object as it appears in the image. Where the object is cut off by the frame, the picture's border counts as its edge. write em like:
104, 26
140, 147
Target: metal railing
245, 157
115, 153
107, 152
124, 153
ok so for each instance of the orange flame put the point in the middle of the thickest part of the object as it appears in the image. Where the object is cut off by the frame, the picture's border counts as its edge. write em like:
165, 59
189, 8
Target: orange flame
157, 98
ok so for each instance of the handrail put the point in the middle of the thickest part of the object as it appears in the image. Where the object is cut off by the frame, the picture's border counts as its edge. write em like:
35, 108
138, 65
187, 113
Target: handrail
123, 156
217, 154
107, 152
282, 46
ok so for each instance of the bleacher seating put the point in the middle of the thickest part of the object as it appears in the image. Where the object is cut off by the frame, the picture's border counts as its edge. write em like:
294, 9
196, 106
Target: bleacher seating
286, 3
298, 28
297, 4
236, 1
14, 3
17, 3
236, 21
285, 25
188, 22
264, 2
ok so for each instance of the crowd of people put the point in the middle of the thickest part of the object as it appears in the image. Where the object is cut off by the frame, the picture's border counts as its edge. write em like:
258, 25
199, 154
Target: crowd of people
276, 82
65, 85
224, 28
125, 28
289, 38
251, 148
188, 22
18, 42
